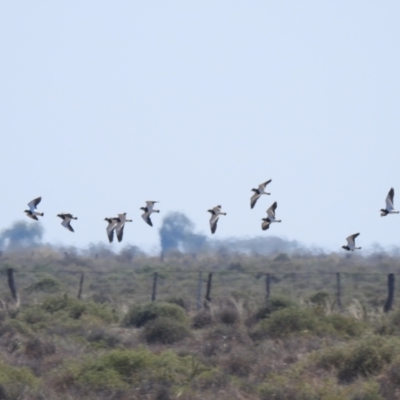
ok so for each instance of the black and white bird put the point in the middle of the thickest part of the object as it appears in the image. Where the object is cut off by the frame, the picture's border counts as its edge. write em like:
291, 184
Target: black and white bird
271, 217
119, 228
66, 220
148, 210
112, 223
32, 213
258, 192
215, 213
389, 204
351, 243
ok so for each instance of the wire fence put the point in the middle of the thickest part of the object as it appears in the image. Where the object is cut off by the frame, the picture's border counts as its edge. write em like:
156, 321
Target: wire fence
197, 289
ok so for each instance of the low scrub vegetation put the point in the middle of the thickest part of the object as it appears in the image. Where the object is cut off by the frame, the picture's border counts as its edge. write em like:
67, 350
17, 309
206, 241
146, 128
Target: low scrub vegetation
113, 343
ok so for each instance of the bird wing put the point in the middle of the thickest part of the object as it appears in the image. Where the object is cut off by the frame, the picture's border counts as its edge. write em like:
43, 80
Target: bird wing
213, 223
66, 224
146, 218
389, 200
271, 210
351, 239
253, 199
110, 229
120, 231
33, 203
263, 185
265, 225
33, 217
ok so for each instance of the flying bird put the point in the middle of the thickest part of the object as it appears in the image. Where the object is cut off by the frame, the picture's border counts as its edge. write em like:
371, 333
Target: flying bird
271, 217
258, 192
112, 223
66, 220
215, 213
119, 228
389, 204
351, 243
31, 213
148, 210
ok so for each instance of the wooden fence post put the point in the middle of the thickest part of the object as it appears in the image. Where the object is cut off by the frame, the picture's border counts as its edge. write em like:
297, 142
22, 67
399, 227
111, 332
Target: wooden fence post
390, 298
338, 290
199, 290
154, 292
267, 286
207, 300
81, 285
12, 286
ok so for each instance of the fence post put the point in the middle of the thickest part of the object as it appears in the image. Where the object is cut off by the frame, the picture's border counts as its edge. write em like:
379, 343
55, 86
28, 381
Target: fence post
11, 284
81, 285
267, 286
390, 298
154, 292
199, 291
338, 290
207, 300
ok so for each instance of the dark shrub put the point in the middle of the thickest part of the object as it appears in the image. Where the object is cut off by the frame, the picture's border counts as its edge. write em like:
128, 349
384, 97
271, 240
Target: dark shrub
38, 348
102, 336
228, 315
139, 315
165, 330
202, 319
319, 298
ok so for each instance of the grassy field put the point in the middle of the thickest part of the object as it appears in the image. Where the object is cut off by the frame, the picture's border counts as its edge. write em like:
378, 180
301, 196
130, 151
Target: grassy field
114, 343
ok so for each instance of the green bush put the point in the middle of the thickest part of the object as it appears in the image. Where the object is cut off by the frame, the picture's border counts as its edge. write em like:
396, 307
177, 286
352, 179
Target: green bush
362, 358
345, 325
274, 304
45, 285
34, 315
141, 314
303, 320
287, 321
120, 369
16, 380
165, 330
75, 308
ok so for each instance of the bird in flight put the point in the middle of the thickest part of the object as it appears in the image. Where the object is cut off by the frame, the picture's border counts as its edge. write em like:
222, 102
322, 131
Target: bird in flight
271, 217
258, 192
215, 213
112, 223
66, 220
119, 227
32, 213
148, 210
351, 243
389, 205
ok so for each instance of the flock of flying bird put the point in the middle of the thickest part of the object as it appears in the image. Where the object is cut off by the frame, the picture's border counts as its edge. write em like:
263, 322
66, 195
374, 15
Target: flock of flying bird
117, 224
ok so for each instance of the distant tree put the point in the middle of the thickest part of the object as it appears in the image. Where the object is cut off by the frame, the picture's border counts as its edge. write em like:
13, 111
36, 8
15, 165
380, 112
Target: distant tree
176, 233
21, 234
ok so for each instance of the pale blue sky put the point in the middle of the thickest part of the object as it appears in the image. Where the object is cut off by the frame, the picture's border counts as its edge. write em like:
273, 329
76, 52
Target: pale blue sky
107, 104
